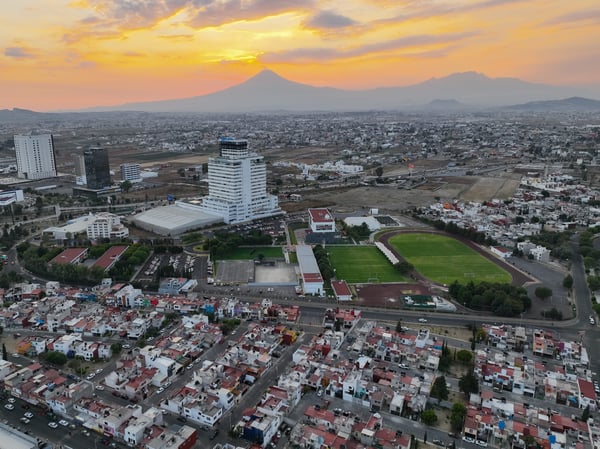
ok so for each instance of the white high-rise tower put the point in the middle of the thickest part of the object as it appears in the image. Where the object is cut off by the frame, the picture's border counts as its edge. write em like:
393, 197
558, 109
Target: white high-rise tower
237, 184
35, 156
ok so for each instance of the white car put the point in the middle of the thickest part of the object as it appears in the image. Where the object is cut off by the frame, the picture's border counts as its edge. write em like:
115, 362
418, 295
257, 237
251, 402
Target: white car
25, 420
28, 415
99, 387
11, 400
90, 376
52, 424
9, 407
99, 370
422, 320
63, 423
160, 390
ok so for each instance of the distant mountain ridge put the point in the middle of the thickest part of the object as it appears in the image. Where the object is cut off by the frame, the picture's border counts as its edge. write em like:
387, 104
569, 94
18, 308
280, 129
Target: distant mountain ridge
566, 104
269, 92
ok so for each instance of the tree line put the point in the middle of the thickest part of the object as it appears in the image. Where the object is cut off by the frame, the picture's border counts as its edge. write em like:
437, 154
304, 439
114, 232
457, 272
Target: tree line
500, 299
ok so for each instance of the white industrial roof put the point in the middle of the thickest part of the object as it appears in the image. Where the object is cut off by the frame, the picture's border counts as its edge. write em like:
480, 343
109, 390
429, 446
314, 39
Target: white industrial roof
174, 219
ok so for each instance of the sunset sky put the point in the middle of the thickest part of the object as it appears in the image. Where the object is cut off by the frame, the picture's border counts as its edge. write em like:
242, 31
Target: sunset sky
68, 54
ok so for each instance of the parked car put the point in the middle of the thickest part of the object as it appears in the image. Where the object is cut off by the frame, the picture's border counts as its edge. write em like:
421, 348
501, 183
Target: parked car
9, 406
25, 420
52, 424
63, 422
28, 415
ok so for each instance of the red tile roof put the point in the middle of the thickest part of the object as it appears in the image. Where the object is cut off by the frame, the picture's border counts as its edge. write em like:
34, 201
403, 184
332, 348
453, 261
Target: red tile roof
312, 277
69, 255
110, 257
340, 288
320, 215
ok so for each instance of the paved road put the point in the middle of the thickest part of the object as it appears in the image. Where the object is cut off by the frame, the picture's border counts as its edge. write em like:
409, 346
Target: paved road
590, 333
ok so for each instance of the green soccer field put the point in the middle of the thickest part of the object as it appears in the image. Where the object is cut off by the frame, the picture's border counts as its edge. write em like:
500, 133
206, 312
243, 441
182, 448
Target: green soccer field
445, 260
362, 264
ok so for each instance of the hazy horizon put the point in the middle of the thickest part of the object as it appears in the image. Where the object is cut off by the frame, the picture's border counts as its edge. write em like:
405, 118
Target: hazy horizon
61, 55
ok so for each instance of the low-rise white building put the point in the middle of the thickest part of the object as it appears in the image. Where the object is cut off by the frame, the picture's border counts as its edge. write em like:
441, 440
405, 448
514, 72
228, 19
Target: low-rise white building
131, 172
312, 280
105, 226
321, 220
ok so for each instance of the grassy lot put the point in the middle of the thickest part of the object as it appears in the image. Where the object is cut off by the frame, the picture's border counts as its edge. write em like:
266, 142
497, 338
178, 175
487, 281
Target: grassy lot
362, 264
292, 227
444, 260
270, 252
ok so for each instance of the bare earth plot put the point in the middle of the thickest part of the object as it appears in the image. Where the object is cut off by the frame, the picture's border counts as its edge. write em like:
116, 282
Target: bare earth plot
391, 199
490, 188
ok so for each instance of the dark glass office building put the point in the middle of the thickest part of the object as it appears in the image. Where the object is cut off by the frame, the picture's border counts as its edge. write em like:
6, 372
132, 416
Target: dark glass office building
97, 170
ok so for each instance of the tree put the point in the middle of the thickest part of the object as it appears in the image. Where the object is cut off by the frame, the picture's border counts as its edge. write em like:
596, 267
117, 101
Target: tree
39, 204
338, 325
126, 186
529, 440
465, 357
469, 383
4, 352
586, 414
56, 358
404, 267
116, 348
399, 326
75, 365
439, 389
379, 171
429, 418
543, 292
568, 281
457, 416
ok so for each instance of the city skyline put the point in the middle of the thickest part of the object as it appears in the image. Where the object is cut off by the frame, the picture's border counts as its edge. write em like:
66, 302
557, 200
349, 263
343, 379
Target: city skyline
64, 54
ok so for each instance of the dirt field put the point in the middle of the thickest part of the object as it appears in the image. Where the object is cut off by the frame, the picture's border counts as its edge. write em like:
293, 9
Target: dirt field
489, 188
390, 199
387, 295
